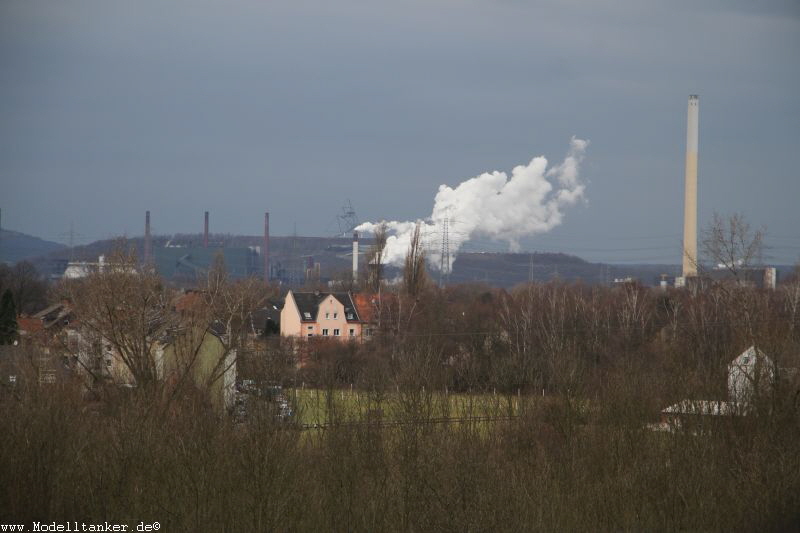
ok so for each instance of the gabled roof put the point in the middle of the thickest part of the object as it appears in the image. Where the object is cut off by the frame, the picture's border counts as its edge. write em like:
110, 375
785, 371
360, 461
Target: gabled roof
749, 358
29, 325
271, 311
308, 304
349, 307
54, 315
704, 408
366, 306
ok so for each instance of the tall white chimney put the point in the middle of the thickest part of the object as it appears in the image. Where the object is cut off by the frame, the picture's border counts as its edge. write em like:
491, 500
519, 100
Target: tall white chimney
355, 256
690, 190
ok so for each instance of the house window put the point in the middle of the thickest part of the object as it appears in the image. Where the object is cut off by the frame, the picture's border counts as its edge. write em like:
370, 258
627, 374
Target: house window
310, 327
12, 378
310, 334
325, 332
369, 332
350, 316
307, 315
327, 316
335, 316
336, 333
352, 332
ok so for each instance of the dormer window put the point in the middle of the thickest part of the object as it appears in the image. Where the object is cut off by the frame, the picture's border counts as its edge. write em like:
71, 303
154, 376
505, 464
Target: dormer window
307, 315
350, 316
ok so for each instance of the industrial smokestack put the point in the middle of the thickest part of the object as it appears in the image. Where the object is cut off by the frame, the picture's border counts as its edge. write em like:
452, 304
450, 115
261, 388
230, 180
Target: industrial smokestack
205, 232
690, 190
148, 242
266, 247
489, 205
355, 256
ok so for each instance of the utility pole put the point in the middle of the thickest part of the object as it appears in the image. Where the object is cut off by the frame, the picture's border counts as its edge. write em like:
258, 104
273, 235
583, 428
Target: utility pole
530, 267
71, 236
444, 265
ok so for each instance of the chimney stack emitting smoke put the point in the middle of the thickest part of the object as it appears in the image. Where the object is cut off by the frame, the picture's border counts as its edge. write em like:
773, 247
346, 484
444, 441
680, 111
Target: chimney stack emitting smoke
265, 252
529, 201
205, 232
148, 243
355, 256
690, 189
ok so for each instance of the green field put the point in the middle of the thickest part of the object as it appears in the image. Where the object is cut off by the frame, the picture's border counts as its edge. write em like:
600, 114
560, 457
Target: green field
337, 406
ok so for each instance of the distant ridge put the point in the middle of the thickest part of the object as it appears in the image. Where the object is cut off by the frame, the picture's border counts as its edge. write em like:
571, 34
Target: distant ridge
291, 255
499, 269
16, 246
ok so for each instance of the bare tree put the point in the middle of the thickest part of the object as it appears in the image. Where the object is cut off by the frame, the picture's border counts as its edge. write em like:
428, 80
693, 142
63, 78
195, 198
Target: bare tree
732, 244
375, 257
26, 284
414, 274
231, 303
126, 310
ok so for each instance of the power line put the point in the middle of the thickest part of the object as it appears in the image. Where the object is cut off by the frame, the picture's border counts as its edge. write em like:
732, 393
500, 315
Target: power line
71, 234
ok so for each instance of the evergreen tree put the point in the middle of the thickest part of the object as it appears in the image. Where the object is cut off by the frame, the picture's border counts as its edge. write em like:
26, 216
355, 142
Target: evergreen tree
8, 318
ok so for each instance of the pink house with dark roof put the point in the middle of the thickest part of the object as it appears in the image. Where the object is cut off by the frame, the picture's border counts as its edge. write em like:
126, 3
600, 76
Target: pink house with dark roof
318, 314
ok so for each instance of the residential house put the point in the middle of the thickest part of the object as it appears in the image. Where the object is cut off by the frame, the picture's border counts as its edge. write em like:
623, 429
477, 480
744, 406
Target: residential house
750, 374
43, 335
60, 343
202, 356
318, 314
266, 320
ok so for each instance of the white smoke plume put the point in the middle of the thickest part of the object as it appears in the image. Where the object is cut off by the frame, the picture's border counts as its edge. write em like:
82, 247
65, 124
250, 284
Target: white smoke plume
493, 205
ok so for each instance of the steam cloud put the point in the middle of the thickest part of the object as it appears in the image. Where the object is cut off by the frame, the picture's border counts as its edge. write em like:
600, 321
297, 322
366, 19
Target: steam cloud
493, 205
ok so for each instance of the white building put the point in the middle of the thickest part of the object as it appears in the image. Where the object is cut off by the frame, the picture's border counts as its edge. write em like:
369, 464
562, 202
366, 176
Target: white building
750, 373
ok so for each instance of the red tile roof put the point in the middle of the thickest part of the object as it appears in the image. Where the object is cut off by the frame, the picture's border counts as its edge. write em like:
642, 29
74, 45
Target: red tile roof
366, 306
29, 324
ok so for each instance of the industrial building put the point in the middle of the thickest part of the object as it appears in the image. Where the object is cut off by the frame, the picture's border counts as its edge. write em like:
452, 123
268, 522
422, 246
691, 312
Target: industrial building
190, 262
184, 260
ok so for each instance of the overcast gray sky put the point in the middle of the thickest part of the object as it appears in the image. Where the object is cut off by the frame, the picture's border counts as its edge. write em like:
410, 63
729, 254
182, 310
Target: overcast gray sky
109, 108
